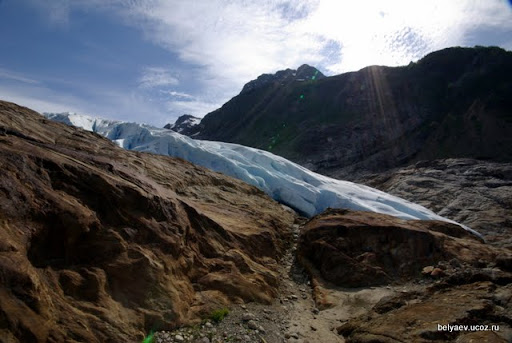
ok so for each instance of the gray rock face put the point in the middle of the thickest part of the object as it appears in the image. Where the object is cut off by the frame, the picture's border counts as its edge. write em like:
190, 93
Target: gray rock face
475, 193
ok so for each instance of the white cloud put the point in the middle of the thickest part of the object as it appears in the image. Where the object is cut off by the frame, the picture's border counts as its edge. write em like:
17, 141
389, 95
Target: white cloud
194, 107
394, 32
226, 43
157, 77
235, 41
176, 94
10, 75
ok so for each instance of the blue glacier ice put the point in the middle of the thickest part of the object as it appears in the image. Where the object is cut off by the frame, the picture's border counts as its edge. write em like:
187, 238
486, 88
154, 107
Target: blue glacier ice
289, 183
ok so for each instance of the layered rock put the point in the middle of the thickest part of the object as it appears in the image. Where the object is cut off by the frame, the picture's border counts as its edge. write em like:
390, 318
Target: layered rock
476, 312
473, 192
102, 244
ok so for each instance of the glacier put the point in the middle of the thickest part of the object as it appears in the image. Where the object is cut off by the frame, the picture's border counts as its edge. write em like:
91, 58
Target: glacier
288, 183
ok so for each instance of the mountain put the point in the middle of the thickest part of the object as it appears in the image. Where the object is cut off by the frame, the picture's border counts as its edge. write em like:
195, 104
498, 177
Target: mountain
102, 244
186, 125
305, 191
452, 103
190, 126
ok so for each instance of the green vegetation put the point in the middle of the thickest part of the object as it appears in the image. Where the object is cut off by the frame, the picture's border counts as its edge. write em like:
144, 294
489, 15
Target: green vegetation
218, 315
149, 339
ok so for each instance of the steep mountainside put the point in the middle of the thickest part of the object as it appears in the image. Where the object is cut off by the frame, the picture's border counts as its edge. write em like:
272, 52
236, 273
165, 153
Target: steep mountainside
102, 244
452, 103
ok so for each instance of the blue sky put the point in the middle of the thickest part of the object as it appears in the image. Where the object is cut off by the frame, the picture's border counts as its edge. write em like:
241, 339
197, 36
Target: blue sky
153, 60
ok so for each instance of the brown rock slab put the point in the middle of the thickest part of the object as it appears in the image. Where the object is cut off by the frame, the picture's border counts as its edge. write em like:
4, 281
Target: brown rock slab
437, 273
338, 242
466, 308
102, 244
427, 270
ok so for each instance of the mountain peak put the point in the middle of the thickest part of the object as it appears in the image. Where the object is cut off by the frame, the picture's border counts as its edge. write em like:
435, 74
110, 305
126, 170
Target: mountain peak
303, 73
186, 124
308, 72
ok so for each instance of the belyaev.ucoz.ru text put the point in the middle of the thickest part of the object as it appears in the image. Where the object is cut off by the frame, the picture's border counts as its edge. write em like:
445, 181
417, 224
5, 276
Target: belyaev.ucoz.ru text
483, 327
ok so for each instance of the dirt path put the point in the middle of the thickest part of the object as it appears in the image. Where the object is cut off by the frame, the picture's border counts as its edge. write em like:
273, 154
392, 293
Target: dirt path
292, 317
304, 322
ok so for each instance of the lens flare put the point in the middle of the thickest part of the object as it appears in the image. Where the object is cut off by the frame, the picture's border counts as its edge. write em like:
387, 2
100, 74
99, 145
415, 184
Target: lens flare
150, 338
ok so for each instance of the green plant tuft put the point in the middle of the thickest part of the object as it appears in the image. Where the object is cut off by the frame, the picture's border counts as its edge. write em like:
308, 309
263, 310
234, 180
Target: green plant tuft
218, 315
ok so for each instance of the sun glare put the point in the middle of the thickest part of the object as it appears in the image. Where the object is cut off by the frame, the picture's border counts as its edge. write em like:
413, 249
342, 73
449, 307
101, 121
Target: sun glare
385, 33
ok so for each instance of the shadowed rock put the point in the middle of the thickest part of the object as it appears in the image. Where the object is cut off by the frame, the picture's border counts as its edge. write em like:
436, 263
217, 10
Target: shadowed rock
451, 103
356, 249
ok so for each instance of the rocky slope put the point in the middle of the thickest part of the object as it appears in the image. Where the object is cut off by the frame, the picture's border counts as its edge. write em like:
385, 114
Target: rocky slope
452, 103
465, 282
101, 244
472, 192
423, 273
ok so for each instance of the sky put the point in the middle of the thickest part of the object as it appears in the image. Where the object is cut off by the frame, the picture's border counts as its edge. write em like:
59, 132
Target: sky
153, 60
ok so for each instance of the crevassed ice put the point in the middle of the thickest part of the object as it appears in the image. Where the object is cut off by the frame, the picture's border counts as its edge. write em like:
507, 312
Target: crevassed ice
289, 183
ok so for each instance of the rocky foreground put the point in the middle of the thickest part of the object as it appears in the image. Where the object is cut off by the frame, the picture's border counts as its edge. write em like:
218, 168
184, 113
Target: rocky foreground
364, 277
447, 276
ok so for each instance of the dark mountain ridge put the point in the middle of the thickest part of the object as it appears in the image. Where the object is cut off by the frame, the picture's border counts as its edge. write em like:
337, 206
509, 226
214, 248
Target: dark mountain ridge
456, 102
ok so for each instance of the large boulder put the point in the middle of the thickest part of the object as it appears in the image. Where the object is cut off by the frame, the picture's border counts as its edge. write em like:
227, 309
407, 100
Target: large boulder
100, 244
357, 249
